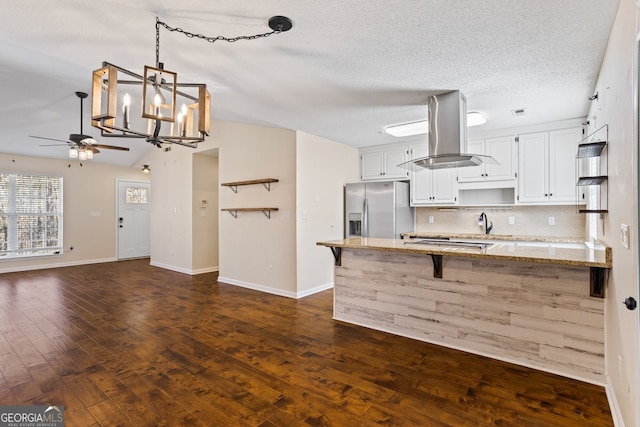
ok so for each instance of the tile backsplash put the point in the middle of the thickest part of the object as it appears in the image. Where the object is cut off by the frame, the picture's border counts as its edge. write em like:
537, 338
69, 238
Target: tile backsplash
527, 220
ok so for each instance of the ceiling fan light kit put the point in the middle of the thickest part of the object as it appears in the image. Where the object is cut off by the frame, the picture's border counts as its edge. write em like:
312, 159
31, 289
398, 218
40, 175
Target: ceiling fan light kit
82, 146
127, 104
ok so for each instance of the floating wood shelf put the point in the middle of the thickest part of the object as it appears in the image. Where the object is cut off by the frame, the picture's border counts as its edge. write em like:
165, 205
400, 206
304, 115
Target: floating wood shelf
266, 182
234, 211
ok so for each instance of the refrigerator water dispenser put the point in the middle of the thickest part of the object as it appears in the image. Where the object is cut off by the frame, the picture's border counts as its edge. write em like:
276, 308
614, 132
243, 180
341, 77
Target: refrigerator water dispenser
355, 224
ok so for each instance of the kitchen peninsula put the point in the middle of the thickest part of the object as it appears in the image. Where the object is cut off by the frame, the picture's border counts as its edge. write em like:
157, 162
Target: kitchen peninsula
527, 302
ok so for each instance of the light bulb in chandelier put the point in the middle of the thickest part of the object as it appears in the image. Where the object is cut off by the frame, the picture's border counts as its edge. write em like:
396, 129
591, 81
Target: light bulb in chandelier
126, 110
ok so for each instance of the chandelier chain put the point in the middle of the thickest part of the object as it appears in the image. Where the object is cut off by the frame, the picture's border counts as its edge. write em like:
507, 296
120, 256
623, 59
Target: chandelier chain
157, 42
210, 39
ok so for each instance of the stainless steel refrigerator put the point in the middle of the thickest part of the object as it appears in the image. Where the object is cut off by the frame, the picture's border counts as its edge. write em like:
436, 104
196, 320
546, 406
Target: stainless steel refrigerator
378, 209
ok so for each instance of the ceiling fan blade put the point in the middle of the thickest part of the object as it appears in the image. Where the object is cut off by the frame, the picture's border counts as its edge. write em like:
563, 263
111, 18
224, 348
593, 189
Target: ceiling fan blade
54, 145
93, 148
50, 139
110, 147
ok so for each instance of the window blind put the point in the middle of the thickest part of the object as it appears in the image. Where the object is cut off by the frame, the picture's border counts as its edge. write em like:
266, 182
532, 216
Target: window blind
30, 214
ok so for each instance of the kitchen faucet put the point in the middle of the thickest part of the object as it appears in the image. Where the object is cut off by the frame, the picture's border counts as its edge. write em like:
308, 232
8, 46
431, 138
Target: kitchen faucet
483, 220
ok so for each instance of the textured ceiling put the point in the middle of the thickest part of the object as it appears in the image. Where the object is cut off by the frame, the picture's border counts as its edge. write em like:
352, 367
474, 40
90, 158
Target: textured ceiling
345, 71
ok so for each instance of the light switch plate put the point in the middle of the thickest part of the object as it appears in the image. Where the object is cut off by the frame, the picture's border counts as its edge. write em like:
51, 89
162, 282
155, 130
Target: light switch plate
624, 235
552, 220
512, 220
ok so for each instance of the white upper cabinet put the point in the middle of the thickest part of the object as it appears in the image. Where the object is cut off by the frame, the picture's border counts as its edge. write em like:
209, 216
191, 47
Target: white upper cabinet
432, 187
377, 163
473, 173
546, 163
533, 168
503, 150
563, 145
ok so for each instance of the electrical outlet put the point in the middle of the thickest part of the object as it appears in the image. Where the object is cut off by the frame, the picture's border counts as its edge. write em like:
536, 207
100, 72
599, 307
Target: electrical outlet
430, 219
552, 220
512, 220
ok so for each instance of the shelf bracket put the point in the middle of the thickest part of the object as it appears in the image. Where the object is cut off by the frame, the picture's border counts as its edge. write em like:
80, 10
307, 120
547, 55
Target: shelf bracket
437, 266
267, 185
234, 188
597, 281
337, 255
267, 214
233, 214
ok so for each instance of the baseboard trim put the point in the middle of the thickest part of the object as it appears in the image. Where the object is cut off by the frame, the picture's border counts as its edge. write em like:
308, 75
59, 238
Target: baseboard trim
185, 270
256, 287
314, 290
171, 267
613, 404
55, 265
275, 291
205, 270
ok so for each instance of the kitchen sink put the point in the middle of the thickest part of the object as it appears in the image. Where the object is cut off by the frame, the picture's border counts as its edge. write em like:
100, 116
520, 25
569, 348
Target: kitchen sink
449, 243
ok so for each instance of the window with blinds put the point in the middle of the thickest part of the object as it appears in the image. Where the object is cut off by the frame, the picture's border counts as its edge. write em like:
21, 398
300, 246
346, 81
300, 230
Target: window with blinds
30, 215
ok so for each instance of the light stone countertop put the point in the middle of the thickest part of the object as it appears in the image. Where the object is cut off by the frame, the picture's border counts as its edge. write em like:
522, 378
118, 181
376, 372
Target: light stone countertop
564, 252
507, 237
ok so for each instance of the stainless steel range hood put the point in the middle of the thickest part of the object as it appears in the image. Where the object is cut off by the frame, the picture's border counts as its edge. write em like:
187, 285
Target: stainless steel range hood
448, 135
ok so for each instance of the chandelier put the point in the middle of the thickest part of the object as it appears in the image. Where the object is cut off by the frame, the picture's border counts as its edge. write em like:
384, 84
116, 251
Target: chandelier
155, 105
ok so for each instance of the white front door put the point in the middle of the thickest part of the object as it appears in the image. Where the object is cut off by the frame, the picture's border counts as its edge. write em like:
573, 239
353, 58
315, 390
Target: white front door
132, 220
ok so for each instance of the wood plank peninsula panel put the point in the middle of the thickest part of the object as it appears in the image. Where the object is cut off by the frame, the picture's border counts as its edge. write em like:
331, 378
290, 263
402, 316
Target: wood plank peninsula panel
531, 314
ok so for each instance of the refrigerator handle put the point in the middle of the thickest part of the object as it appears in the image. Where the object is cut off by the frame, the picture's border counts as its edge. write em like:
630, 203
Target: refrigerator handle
365, 219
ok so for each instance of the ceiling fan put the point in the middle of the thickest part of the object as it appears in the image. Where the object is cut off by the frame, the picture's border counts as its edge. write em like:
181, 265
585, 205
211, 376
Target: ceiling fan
82, 146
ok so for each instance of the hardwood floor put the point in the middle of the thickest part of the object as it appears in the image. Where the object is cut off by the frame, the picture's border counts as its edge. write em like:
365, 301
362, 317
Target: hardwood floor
127, 344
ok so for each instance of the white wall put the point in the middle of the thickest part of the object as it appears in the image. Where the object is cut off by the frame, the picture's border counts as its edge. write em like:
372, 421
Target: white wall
257, 252
323, 167
205, 219
89, 203
171, 208
616, 107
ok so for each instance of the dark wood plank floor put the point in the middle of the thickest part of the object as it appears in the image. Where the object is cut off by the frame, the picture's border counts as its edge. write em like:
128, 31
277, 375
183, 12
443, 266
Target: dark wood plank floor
127, 344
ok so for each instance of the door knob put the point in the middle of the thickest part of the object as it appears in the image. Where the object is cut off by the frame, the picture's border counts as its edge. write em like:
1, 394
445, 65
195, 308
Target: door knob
630, 303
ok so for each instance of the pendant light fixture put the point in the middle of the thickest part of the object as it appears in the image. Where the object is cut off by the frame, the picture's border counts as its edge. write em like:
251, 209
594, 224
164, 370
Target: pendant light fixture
155, 105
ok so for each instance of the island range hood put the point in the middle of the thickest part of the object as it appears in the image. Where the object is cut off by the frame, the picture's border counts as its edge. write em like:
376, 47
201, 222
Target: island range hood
447, 135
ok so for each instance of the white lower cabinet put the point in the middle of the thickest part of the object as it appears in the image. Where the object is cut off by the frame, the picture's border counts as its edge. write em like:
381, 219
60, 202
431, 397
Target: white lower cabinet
546, 167
432, 186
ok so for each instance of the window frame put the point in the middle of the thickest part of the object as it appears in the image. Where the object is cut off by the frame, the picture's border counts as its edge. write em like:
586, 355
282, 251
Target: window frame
12, 214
